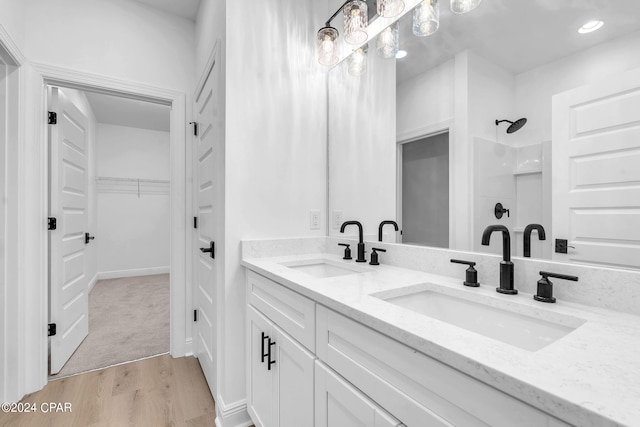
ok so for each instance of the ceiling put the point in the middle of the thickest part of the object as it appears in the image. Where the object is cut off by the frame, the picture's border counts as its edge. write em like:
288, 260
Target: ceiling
114, 110
518, 35
184, 8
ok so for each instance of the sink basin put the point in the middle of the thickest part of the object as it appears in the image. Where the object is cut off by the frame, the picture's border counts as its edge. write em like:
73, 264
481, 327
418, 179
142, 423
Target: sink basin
527, 332
323, 268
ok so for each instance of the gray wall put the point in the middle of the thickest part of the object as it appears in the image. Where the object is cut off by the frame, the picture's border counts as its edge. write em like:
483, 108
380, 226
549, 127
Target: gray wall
425, 191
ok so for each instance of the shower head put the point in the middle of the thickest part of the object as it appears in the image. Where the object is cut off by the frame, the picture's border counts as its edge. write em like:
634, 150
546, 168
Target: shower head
514, 126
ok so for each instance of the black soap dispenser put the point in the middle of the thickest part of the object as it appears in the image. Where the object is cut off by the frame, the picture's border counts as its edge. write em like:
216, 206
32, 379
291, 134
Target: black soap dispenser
374, 255
347, 251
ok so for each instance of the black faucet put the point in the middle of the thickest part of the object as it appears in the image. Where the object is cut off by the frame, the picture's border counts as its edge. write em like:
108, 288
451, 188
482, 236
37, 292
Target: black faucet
360, 239
506, 266
527, 237
382, 224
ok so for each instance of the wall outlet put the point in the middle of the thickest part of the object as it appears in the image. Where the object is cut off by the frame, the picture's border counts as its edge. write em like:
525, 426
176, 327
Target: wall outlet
314, 220
336, 219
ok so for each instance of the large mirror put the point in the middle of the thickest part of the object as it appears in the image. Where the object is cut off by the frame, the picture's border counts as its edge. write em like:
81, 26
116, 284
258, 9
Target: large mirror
426, 140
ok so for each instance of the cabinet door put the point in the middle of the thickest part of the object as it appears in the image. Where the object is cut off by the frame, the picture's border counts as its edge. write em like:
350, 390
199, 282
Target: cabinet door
259, 378
338, 403
293, 382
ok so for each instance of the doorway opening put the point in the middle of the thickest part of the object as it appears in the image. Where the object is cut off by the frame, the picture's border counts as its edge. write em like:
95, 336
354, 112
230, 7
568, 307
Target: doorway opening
109, 250
424, 197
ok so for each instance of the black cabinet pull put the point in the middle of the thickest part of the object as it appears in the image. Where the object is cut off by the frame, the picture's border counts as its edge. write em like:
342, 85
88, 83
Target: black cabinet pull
269, 361
209, 250
264, 337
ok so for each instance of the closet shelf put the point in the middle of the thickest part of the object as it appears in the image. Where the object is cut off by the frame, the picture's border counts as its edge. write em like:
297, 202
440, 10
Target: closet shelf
527, 172
137, 186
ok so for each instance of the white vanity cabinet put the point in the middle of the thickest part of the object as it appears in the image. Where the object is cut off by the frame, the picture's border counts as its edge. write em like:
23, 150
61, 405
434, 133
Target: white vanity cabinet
280, 368
415, 388
338, 403
280, 376
331, 371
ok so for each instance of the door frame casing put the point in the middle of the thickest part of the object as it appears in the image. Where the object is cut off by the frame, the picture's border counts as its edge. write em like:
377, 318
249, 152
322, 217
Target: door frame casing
11, 382
48, 75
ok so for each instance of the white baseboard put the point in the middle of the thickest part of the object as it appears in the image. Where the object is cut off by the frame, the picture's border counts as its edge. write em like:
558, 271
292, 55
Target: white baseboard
93, 282
132, 273
188, 347
233, 415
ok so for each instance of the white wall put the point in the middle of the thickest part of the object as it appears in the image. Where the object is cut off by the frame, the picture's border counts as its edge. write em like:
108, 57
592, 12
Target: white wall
362, 149
275, 148
118, 38
426, 99
133, 232
12, 20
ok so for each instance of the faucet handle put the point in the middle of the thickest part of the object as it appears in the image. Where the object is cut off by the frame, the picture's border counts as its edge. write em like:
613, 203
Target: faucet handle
374, 255
472, 273
347, 251
545, 286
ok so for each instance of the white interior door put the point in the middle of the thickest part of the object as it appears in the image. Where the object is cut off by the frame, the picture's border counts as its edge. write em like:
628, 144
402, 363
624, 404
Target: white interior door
208, 215
68, 290
596, 158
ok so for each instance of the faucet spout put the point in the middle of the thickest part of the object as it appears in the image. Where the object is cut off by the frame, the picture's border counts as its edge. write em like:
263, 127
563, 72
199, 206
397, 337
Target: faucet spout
506, 239
506, 266
527, 237
382, 224
344, 225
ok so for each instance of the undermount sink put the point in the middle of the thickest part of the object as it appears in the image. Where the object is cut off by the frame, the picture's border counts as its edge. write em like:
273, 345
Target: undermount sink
323, 268
520, 330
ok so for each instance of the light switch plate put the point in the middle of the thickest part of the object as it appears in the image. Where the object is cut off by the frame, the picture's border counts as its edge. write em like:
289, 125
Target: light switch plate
314, 220
336, 219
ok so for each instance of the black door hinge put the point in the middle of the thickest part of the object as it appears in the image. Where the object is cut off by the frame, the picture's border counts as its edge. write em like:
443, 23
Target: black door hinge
52, 329
52, 223
53, 118
195, 128
195, 315
195, 222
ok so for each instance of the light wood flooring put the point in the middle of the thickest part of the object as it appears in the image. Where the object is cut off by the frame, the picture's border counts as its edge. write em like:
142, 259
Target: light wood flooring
160, 391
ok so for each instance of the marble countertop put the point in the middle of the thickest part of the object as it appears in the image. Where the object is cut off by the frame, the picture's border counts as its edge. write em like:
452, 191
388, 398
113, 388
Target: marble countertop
590, 377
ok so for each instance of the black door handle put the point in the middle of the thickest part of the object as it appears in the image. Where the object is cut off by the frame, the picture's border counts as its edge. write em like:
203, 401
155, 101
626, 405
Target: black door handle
264, 337
269, 361
209, 250
87, 238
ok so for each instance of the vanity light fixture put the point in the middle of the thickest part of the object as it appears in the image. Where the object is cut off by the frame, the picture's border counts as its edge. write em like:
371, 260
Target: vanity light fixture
327, 46
387, 45
355, 31
390, 8
590, 27
356, 20
401, 54
426, 18
357, 61
464, 6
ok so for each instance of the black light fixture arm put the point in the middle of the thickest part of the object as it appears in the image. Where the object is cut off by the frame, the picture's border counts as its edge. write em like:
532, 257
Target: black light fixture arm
328, 23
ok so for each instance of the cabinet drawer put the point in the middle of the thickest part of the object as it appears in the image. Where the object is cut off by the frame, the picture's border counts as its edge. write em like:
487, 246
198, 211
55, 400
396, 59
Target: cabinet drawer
415, 388
292, 312
338, 403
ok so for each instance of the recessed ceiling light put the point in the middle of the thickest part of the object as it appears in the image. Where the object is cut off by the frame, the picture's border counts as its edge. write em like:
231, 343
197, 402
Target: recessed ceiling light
401, 54
590, 27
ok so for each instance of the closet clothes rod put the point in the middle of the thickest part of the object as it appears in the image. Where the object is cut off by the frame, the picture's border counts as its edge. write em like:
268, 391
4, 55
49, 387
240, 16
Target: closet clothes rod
106, 178
132, 185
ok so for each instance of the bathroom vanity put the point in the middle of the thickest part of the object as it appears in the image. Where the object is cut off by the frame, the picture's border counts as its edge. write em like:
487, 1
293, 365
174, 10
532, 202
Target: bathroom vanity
335, 343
